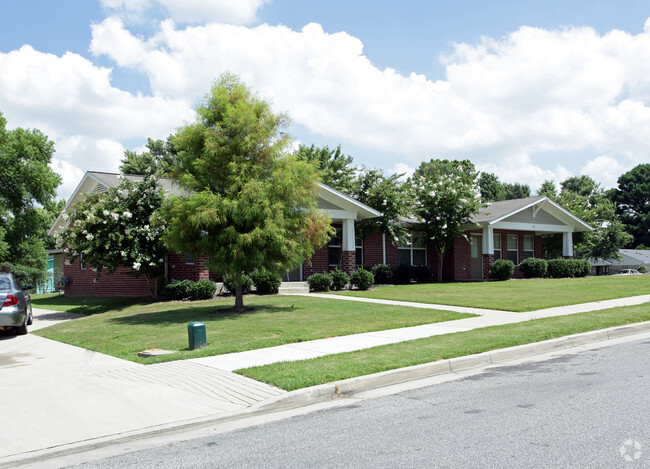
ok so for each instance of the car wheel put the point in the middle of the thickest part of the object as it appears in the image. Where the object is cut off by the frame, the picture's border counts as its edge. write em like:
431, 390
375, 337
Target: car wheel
22, 330
30, 318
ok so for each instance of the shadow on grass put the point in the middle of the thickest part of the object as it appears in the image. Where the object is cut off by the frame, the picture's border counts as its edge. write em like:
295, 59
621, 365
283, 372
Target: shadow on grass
86, 305
208, 313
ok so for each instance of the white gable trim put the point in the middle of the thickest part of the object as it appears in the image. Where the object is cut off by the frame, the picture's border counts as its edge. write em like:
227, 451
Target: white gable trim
577, 223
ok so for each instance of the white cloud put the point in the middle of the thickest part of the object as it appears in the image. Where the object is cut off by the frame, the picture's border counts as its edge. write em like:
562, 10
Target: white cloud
605, 170
70, 95
192, 11
530, 92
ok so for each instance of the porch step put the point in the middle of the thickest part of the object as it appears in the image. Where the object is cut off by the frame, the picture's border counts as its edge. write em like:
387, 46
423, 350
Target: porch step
291, 288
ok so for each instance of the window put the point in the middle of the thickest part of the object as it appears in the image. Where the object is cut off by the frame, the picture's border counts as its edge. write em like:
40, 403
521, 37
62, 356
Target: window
529, 246
497, 246
413, 252
358, 248
189, 259
513, 249
334, 249
82, 264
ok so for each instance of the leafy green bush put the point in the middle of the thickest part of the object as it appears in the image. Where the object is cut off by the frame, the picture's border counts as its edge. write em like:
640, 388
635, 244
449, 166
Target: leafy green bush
383, 273
532, 267
642, 268
24, 274
568, 268
340, 279
403, 275
320, 282
502, 269
204, 289
230, 284
362, 279
266, 282
422, 273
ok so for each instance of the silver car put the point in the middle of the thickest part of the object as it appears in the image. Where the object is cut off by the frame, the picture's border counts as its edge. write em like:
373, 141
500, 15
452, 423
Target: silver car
15, 305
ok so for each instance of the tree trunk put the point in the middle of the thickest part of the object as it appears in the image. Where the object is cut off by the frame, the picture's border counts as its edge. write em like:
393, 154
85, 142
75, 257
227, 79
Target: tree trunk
441, 257
239, 299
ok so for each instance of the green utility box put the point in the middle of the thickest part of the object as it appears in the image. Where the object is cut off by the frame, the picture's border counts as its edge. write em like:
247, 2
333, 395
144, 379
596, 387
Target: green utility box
196, 335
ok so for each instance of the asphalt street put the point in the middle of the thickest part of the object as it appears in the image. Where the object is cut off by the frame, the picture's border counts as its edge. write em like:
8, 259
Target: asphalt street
589, 410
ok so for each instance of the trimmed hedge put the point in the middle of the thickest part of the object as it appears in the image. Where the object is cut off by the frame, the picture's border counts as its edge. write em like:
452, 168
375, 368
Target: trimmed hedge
230, 284
362, 279
340, 279
383, 273
204, 289
502, 269
532, 267
568, 268
422, 274
266, 282
403, 275
320, 282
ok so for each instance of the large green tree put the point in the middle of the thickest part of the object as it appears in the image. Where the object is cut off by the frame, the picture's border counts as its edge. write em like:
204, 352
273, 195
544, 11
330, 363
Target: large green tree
248, 203
119, 228
158, 160
493, 190
632, 200
387, 195
335, 168
446, 197
27, 191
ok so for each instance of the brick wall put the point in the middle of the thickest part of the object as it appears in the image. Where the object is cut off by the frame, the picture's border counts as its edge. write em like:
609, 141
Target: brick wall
372, 250
319, 263
84, 282
181, 270
348, 261
462, 261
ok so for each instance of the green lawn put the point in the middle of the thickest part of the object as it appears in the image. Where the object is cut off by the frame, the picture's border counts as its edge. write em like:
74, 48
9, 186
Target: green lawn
83, 304
515, 295
300, 374
277, 320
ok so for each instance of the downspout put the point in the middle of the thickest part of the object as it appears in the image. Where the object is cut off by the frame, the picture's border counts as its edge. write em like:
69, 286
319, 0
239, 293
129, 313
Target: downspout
383, 247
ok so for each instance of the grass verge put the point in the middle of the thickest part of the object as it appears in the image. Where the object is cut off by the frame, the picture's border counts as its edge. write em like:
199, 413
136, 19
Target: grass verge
515, 295
276, 320
305, 373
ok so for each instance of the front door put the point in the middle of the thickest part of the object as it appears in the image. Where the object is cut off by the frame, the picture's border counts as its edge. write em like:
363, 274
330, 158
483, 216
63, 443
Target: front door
476, 257
294, 275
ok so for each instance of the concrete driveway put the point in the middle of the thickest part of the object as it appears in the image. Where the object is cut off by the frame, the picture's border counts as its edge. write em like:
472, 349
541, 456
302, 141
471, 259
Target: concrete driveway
57, 395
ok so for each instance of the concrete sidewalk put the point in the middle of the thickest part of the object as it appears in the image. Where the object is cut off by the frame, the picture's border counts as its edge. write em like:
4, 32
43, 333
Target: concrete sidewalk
350, 343
67, 397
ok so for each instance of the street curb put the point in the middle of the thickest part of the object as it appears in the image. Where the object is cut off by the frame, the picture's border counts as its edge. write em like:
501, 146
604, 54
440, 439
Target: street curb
340, 389
348, 387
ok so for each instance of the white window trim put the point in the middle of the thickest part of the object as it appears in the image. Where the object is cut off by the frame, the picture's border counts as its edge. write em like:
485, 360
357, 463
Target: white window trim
531, 251
499, 244
410, 248
516, 250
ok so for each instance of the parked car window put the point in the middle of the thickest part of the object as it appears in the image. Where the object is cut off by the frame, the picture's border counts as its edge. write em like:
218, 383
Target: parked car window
4, 284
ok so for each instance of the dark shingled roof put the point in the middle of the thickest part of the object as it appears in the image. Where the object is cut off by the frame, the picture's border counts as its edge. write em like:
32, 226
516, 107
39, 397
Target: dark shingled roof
502, 208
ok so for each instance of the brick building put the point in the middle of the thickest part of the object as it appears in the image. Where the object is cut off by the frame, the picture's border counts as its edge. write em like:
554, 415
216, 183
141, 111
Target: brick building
510, 229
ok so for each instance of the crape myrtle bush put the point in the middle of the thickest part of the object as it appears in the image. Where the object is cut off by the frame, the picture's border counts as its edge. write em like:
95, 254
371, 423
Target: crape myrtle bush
532, 267
204, 289
230, 283
403, 275
383, 273
266, 282
362, 279
340, 279
502, 269
562, 268
320, 282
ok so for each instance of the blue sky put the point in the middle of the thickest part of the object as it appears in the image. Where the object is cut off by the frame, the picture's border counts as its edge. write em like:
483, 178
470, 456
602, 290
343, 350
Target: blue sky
528, 90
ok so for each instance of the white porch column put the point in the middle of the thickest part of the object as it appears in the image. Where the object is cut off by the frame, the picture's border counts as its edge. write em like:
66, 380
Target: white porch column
567, 244
488, 240
348, 235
